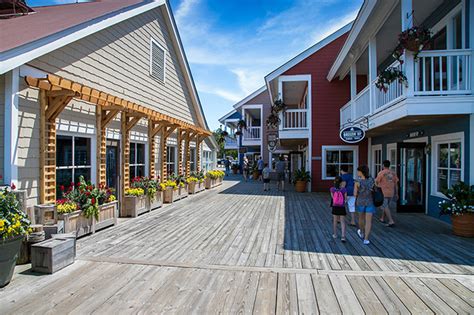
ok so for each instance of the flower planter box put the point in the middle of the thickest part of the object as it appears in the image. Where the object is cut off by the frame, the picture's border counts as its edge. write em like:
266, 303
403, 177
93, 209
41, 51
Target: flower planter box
211, 183
171, 195
75, 222
9, 250
107, 216
156, 202
133, 206
183, 192
463, 225
195, 187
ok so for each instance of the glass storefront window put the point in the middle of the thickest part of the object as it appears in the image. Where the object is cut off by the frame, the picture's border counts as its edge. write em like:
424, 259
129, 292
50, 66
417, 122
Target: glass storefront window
449, 167
137, 159
171, 160
334, 159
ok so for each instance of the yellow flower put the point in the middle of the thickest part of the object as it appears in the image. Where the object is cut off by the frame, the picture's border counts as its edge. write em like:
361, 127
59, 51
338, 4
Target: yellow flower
2, 223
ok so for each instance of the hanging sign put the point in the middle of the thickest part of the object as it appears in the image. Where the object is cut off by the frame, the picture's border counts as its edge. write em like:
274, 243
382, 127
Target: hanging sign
272, 140
352, 134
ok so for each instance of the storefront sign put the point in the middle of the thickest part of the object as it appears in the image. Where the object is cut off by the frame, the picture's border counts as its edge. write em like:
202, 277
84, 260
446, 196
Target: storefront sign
352, 134
415, 134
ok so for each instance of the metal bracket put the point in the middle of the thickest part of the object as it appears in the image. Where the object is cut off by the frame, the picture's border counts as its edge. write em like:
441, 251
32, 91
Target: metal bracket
363, 123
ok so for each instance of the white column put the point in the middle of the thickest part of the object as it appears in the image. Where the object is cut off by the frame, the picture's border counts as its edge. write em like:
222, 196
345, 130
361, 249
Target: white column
471, 149
471, 39
372, 71
10, 161
353, 90
409, 64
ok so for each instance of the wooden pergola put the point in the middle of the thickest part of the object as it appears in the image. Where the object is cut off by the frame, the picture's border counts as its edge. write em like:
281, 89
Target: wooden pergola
56, 93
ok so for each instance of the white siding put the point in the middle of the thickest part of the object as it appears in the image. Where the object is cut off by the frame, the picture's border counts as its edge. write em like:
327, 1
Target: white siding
2, 122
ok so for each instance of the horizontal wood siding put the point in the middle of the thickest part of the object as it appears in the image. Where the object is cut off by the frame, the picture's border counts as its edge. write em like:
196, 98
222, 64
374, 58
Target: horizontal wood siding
327, 98
117, 61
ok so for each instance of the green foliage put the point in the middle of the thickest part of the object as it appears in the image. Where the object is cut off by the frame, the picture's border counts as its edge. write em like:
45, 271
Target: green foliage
13, 222
388, 76
301, 175
461, 200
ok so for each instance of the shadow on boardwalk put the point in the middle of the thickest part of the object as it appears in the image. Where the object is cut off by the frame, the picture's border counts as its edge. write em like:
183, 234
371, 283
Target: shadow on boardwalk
415, 242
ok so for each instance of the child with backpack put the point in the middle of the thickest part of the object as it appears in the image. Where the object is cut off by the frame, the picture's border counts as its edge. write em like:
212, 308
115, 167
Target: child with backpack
338, 200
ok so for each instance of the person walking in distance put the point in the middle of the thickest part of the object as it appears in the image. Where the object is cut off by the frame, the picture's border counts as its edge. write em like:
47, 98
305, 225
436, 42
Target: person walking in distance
266, 177
338, 198
349, 185
260, 166
227, 166
245, 168
280, 168
387, 180
364, 202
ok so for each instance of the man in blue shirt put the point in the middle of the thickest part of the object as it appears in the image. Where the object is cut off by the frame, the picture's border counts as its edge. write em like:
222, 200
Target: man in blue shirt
348, 179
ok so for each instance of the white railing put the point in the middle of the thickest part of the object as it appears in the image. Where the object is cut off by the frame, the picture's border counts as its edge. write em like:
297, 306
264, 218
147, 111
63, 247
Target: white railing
230, 142
252, 133
362, 104
443, 72
346, 113
295, 119
393, 92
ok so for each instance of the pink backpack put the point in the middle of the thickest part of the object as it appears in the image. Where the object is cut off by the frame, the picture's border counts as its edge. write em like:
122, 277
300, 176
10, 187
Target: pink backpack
337, 198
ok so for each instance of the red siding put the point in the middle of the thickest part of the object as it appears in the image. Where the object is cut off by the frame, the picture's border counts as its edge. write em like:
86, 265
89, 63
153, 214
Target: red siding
327, 98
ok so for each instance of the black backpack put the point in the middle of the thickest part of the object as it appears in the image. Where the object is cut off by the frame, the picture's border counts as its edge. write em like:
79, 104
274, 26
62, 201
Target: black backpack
377, 196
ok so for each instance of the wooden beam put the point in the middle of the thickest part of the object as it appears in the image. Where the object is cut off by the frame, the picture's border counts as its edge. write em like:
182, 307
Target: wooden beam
169, 130
56, 105
101, 147
151, 148
63, 93
107, 116
125, 143
132, 123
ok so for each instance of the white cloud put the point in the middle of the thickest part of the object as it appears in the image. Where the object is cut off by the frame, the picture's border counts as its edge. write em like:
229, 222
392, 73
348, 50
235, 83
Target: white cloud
184, 9
249, 79
332, 26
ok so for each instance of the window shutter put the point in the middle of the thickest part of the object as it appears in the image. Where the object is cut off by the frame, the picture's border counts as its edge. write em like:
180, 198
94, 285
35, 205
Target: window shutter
157, 62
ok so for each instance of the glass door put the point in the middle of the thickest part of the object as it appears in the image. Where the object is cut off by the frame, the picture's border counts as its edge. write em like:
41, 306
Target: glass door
113, 167
411, 173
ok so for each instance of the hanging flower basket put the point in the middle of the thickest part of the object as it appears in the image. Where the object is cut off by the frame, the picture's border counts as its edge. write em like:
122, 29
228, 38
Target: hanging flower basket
389, 75
413, 39
242, 124
238, 133
273, 120
278, 106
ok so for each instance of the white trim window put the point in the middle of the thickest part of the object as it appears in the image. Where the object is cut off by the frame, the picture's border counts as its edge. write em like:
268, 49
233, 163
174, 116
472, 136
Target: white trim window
376, 166
333, 157
392, 156
137, 159
171, 154
207, 160
157, 61
447, 161
73, 159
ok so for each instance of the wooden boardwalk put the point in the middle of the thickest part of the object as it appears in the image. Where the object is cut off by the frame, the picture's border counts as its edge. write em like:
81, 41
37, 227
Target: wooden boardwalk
237, 249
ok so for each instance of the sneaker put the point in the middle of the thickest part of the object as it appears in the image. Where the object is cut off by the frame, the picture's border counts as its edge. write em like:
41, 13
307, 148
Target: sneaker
366, 242
359, 232
343, 239
334, 236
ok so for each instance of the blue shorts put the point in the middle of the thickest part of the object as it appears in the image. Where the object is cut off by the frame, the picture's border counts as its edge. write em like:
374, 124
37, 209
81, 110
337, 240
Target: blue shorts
366, 209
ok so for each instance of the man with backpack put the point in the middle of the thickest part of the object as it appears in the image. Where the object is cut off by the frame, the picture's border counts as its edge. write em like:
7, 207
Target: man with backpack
387, 180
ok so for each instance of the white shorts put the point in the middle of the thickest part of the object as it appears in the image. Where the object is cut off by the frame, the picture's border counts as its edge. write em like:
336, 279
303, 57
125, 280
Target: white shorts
351, 201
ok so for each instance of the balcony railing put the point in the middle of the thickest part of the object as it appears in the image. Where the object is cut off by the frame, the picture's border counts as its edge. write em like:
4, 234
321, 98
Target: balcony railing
252, 133
443, 72
436, 73
295, 119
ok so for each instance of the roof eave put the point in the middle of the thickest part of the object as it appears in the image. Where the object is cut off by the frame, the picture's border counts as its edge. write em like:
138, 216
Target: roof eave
249, 97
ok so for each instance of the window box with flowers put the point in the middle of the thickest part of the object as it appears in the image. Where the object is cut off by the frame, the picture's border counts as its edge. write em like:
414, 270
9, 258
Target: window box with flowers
86, 208
182, 185
196, 182
460, 206
14, 226
153, 192
134, 203
214, 178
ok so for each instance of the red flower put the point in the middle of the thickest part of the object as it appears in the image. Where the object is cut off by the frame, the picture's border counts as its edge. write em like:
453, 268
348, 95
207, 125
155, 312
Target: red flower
93, 200
61, 187
13, 186
88, 193
78, 184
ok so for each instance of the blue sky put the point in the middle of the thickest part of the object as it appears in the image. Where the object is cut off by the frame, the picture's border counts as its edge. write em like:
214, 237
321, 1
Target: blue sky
232, 44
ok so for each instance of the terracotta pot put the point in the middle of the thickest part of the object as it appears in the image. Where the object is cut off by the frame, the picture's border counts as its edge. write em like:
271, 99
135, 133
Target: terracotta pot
300, 186
255, 175
235, 171
9, 250
463, 225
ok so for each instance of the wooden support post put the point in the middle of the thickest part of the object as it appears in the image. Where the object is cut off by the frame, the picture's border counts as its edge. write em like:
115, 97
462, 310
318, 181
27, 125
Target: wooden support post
187, 150
198, 152
163, 153
125, 143
101, 146
151, 149
180, 151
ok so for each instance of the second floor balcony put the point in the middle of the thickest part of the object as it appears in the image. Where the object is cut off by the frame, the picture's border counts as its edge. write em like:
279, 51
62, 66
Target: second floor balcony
252, 135
439, 82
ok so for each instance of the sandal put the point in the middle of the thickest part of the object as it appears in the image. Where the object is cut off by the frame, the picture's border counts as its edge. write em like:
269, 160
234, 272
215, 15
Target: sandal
390, 225
343, 239
381, 221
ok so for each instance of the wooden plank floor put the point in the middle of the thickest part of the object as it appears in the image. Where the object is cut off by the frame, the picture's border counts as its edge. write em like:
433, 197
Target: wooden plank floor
237, 249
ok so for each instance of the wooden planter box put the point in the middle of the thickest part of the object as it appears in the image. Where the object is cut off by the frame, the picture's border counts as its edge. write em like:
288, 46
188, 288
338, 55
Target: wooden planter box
75, 222
107, 216
171, 195
133, 206
463, 225
211, 183
195, 187
155, 203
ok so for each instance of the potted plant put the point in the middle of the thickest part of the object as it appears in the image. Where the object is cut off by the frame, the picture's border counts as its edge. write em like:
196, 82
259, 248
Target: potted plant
413, 39
214, 178
389, 75
153, 192
182, 185
241, 124
196, 182
235, 168
255, 173
273, 120
14, 226
278, 106
134, 200
170, 191
460, 206
301, 178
